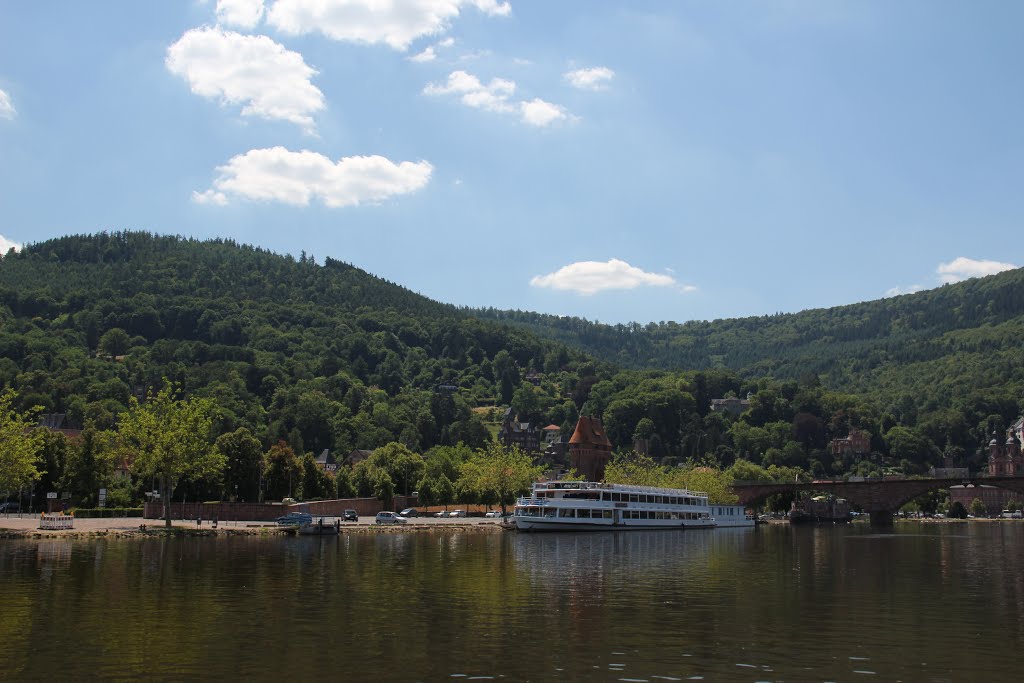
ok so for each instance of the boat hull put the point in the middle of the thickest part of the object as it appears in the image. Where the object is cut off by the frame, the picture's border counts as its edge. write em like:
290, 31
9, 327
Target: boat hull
559, 524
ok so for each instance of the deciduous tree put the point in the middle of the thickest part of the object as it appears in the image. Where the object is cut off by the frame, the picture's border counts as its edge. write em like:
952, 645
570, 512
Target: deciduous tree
171, 438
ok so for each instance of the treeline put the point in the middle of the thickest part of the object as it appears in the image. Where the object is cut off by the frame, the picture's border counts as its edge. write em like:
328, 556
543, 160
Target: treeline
317, 356
311, 357
977, 323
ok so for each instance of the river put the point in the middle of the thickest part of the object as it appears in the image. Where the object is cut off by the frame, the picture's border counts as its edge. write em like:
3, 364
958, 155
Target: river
926, 602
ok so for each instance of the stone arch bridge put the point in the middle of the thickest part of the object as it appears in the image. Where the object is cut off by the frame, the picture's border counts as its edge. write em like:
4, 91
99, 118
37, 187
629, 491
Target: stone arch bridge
880, 498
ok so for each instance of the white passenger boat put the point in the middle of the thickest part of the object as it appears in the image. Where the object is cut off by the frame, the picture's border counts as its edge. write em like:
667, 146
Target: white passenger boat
584, 505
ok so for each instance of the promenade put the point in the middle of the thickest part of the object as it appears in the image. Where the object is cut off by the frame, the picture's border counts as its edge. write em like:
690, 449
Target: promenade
17, 525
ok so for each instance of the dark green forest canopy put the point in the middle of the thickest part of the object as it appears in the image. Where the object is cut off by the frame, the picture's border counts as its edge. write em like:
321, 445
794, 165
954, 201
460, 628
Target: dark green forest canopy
329, 356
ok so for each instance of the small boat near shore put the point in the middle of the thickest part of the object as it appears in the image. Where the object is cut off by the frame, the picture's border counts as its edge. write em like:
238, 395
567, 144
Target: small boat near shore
320, 527
594, 506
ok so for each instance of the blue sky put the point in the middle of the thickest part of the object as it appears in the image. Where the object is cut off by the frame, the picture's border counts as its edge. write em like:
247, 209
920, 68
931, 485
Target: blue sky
620, 161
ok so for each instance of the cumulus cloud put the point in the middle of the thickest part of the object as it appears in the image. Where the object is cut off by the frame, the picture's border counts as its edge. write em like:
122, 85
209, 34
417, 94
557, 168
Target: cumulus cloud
471, 92
241, 13
279, 175
898, 291
594, 78
591, 277
7, 110
429, 53
496, 96
396, 24
253, 71
6, 245
537, 112
963, 268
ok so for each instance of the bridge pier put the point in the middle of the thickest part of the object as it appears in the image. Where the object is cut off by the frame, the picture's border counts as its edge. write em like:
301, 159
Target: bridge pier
881, 518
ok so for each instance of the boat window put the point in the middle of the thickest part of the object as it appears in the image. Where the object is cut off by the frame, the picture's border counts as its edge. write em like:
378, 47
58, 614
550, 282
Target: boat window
673, 515
634, 498
607, 514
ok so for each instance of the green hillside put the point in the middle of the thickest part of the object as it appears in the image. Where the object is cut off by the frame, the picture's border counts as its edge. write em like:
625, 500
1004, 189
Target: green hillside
931, 349
331, 357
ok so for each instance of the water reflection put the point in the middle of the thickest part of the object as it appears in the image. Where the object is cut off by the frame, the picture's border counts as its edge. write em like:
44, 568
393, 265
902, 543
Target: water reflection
767, 604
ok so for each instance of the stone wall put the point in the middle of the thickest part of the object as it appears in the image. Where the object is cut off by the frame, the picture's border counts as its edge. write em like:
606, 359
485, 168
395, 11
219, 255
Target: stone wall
265, 512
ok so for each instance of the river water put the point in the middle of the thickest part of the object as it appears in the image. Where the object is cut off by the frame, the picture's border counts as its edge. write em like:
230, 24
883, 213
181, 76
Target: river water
926, 602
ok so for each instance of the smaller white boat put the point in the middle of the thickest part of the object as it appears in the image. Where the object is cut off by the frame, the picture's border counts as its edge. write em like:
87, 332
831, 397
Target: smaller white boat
320, 527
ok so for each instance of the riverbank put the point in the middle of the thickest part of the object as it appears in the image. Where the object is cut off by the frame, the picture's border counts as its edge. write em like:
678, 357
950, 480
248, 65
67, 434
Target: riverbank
26, 526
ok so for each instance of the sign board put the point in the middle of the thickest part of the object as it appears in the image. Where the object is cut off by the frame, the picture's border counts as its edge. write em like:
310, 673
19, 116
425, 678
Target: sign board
103, 498
52, 495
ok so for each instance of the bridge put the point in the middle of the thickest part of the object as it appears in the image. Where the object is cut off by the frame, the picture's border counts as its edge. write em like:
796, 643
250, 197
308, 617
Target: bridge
880, 498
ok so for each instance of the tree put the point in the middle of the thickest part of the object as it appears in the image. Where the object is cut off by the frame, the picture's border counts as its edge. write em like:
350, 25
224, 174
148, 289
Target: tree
87, 466
282, 472
243, 464
316, 483
978, 508
404, 467
114, 342
20, 445
170, 437
498, 473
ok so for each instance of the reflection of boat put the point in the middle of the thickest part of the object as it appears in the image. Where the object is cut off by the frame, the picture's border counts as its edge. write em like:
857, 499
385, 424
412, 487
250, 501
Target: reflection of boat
320, 527
583, 505
819, 509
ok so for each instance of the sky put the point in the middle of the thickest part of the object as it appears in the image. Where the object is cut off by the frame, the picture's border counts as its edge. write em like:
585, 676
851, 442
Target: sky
618, 161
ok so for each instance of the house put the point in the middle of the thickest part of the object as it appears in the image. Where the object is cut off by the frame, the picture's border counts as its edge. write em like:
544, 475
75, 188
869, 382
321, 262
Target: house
326, 461
551, 433
589, 448
355, 457
57, 422
730, 404
520, 434
855, 443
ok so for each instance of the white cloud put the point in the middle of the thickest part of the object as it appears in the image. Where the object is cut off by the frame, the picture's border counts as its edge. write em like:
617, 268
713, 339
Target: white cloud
964, 268
6, 245
491, 97
590, 277
537, 112
496, 96
277, 174
396, 24
254, 71
429, 53
242, 13
898, 291
210, 197
594, 78
7, 110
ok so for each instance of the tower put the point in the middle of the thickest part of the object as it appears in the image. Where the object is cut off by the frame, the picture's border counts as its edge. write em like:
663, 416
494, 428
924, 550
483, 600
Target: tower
589, 448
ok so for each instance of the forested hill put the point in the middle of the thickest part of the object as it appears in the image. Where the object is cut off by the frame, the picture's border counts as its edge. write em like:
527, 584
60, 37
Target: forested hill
330, 357
974, 327
323, 356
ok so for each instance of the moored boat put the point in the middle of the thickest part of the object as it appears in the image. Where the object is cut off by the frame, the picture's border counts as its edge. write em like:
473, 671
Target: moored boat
593, 506
320, 527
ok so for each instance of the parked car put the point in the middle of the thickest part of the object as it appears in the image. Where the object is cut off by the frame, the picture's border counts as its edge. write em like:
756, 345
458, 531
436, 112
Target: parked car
442, 513
457, 513
493, 513
410, 512
350, 516
389, 518
10, 507
295, 519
